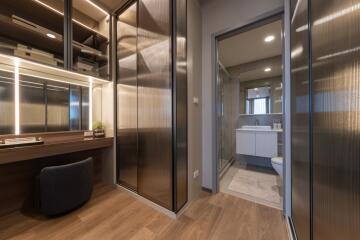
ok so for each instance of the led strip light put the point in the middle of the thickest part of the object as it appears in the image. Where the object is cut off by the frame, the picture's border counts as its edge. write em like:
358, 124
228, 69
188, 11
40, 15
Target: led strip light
90, 103
17, 96
74, 20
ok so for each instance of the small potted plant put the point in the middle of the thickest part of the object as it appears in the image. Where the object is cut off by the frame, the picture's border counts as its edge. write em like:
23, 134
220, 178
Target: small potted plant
98, 129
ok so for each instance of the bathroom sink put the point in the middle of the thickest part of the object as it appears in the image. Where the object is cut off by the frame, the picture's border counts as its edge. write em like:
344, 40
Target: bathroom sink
256, 127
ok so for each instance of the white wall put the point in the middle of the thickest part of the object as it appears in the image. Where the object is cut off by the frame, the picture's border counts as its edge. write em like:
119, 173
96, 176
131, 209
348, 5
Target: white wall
194, 91
218, 16
287, 109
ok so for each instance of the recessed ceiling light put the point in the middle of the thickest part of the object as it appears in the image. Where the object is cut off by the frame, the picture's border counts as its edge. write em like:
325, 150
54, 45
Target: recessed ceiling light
268, 69
269, 38
50, 35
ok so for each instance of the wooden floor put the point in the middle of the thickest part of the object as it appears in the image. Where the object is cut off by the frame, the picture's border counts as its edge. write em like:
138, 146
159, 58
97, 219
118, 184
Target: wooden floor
114, 214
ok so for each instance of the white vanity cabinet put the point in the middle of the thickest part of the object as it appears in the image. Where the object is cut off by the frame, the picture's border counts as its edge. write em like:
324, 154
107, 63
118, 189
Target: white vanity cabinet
261, 143
247, 140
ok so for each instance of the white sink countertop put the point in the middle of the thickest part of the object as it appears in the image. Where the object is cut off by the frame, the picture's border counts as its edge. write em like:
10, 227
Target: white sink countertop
258, 129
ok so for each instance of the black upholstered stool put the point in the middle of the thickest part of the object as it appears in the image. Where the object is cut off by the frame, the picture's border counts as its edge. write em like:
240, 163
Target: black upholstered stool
66, 187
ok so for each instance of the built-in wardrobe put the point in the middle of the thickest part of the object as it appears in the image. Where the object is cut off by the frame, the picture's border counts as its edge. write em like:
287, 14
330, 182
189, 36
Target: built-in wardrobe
325, 100
152, 100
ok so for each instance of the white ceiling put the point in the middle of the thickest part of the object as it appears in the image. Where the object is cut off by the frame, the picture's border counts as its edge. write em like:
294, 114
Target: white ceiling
255, 71
250, 46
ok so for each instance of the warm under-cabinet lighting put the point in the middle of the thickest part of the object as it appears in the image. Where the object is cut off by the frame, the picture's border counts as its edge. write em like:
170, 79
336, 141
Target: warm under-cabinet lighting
17, 95
269, 38
6, 59
97, 7
268, 69
90, 102
74, 20
50, 35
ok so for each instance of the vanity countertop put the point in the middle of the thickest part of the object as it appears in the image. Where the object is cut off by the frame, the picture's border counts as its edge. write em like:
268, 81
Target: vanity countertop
259, 130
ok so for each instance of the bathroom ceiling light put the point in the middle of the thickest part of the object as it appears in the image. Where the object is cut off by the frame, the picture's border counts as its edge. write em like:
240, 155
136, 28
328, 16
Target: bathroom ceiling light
50, 35
268, 69
269, 38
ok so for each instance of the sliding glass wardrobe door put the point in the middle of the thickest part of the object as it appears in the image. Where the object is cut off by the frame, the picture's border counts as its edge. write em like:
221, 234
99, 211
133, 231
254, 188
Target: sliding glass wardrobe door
326, 129
152, 101
127, 98
336, 119
155, 101
300, 127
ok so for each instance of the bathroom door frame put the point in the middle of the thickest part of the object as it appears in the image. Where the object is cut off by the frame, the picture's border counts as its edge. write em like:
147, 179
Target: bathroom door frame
278, 14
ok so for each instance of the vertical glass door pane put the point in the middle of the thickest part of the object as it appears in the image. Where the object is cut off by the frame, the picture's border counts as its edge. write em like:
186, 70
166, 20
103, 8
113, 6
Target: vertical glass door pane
7, 103
57, 107
155, 101
300, 125
127, 109
336, 125
32, 105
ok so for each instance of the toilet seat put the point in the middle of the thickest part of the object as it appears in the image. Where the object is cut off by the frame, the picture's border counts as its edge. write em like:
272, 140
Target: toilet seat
277, 163
277, 160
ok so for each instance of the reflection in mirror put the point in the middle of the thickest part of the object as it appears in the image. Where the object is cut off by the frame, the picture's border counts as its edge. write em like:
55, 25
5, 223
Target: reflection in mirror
258, 100
44, 105
75, 107
262, 96
7, 105
32, 104
57, 107
26, 31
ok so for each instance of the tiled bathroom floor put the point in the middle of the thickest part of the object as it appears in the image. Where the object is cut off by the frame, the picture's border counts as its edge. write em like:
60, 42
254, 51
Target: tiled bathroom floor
255, 184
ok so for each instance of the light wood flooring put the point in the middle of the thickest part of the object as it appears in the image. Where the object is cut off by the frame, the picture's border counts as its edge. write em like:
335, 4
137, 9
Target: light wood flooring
114, 214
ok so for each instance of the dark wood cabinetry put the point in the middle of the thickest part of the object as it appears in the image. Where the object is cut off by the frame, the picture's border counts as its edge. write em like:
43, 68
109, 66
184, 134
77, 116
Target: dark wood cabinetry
45, 35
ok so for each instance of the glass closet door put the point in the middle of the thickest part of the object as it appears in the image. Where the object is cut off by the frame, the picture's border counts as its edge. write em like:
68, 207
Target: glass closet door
336, 125
151, 118
127, 98
155, 101
300, 126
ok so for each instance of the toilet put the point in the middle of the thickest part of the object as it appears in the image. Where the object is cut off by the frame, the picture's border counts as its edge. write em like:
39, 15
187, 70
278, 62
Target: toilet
277, 163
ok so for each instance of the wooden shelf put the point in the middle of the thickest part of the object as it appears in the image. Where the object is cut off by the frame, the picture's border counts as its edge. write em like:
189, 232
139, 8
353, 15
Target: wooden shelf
54, 144
29, 68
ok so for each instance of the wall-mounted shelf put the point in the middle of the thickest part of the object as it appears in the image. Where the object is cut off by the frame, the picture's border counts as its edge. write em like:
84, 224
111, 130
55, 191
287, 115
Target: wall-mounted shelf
29, 68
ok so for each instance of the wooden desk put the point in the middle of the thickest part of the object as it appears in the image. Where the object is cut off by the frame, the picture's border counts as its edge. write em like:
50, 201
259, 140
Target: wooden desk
51, 148
20, 166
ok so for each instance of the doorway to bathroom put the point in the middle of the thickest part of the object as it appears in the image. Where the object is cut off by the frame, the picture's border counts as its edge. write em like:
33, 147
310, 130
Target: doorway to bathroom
249, 112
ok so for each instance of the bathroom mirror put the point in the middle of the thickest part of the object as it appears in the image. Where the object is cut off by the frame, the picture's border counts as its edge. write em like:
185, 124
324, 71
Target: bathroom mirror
261, 96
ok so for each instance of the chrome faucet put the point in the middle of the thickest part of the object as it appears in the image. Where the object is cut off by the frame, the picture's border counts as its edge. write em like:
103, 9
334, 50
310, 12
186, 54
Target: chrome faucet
257, 122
